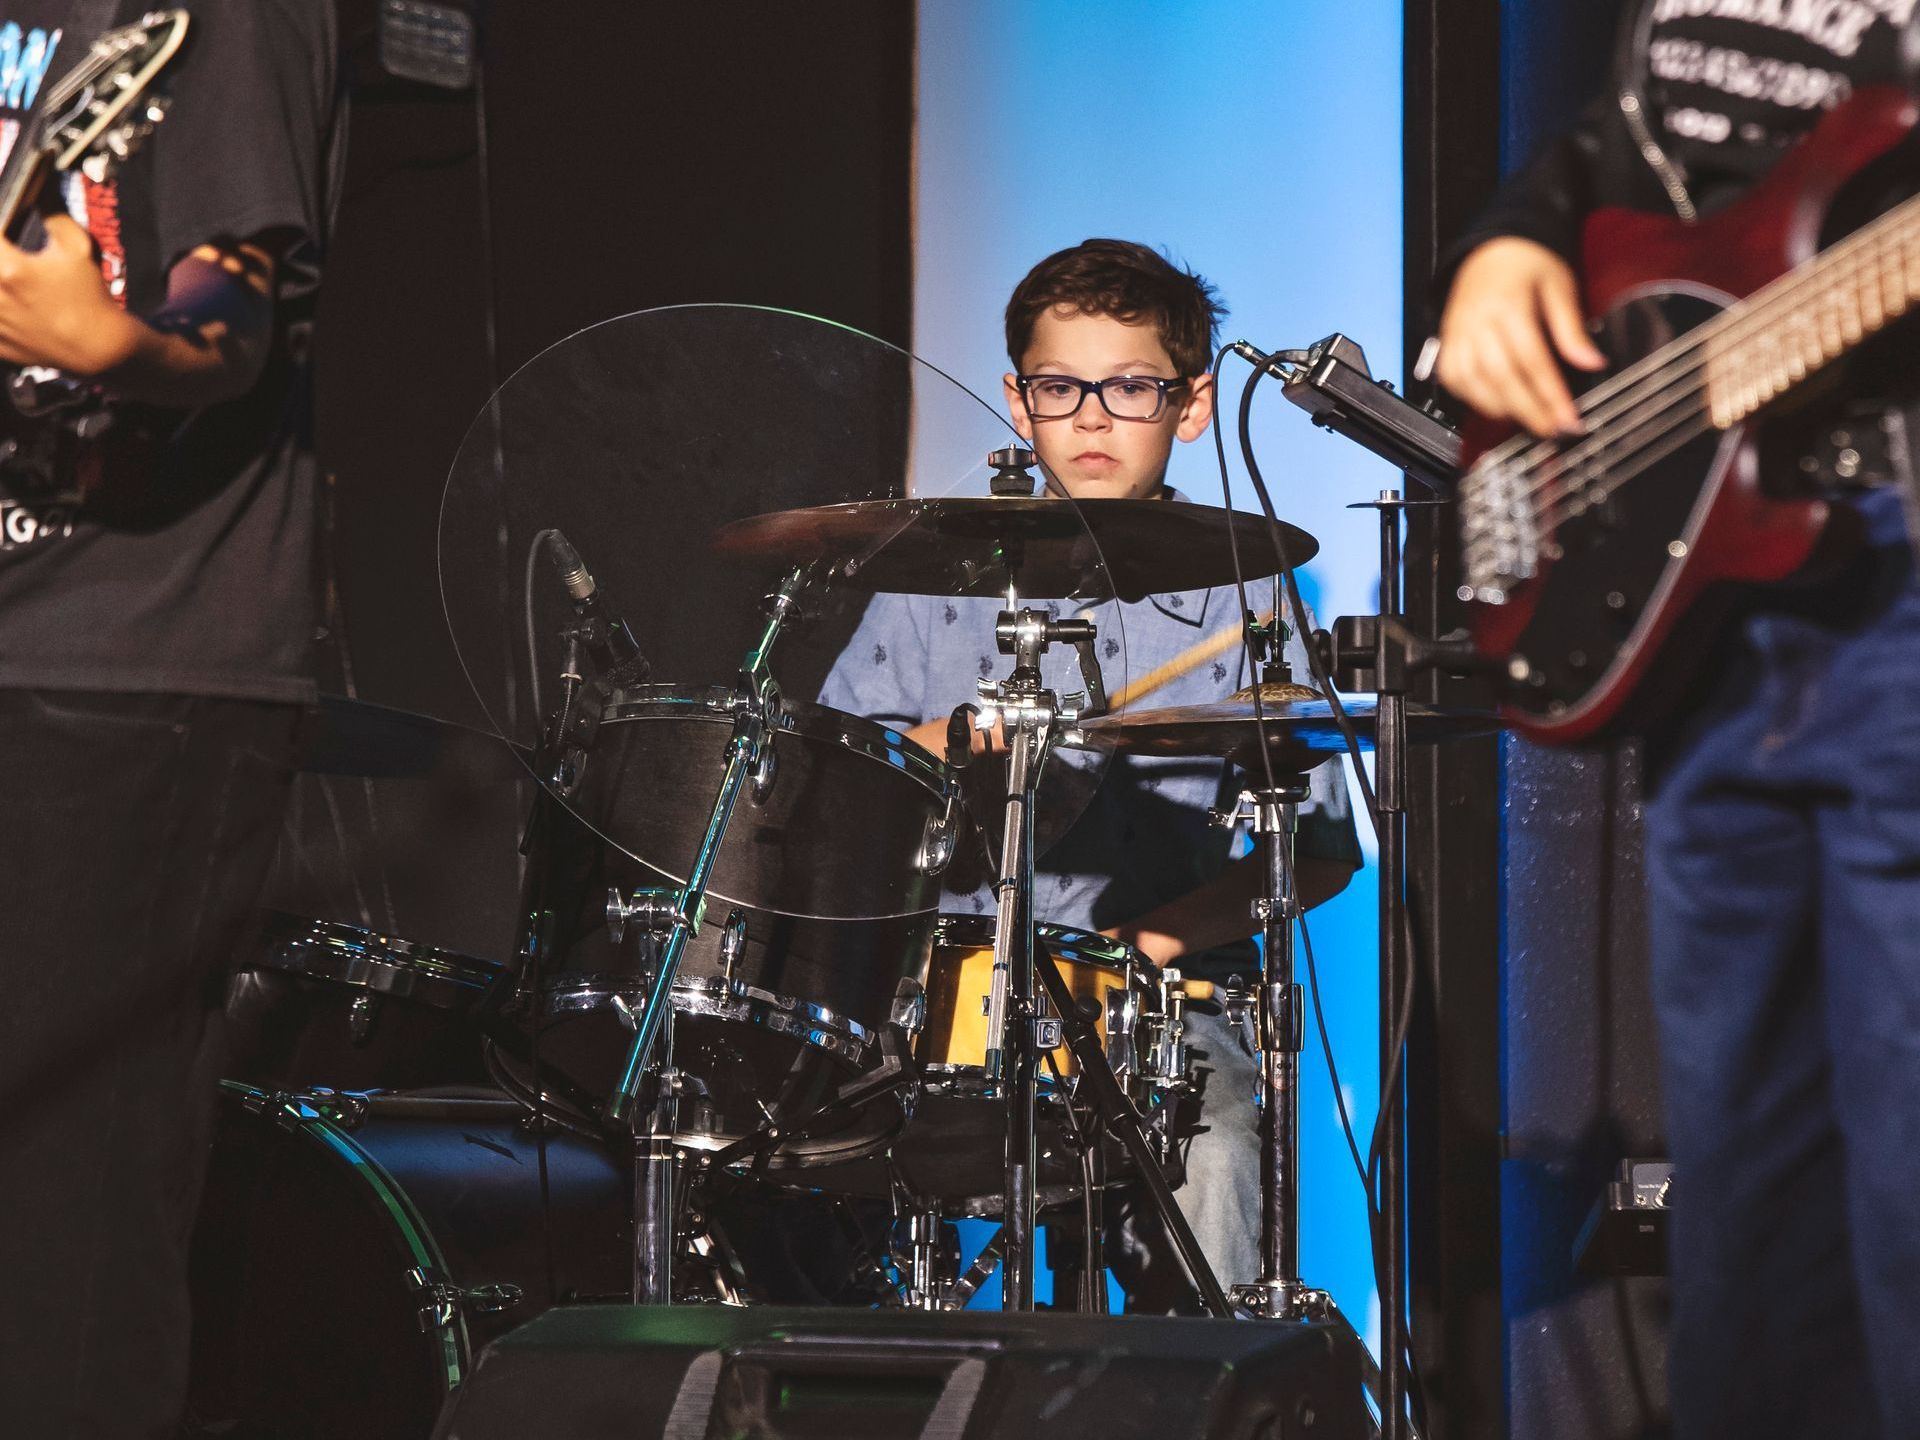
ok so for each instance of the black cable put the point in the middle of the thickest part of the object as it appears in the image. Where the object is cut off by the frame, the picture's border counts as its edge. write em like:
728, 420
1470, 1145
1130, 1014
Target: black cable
1403, 1005
1316, 663
1362, 1168
1333, 1070
1240, 579
534, 546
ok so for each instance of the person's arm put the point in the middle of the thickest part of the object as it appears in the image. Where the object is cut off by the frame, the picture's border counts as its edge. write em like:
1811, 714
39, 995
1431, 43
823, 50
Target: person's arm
205, 344
1514, 307
1512, 296
1221, 911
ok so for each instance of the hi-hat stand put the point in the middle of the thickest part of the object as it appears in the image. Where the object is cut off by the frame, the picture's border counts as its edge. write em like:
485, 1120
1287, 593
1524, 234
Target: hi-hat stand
1278, 1293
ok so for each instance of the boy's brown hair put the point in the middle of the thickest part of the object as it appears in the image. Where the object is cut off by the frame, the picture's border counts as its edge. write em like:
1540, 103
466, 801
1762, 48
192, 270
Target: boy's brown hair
1129, 282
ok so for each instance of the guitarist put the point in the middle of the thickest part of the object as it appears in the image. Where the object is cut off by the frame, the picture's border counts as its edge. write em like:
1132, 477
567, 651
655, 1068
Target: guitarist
152, 665
1783, 808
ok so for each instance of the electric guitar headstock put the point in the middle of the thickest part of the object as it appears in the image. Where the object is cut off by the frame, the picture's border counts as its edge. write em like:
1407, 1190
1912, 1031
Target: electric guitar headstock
95, 116
92, 120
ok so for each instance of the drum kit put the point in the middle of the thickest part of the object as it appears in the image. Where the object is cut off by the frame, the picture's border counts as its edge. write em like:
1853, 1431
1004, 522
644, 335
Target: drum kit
735, 1022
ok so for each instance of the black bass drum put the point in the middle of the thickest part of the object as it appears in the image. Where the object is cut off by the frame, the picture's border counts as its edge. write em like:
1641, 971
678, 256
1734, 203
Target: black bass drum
354, 1252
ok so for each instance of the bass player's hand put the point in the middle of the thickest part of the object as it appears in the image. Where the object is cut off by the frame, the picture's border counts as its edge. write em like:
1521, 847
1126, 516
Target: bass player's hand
1513, 305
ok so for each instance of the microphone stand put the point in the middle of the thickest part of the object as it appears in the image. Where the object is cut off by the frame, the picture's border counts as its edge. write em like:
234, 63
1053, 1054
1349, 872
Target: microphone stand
1331, 381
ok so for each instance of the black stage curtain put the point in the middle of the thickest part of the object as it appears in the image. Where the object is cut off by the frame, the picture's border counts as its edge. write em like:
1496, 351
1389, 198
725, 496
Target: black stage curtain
632, 155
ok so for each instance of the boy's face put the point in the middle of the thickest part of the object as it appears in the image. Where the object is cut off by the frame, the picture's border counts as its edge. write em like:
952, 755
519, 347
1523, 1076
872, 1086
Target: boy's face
1095, 455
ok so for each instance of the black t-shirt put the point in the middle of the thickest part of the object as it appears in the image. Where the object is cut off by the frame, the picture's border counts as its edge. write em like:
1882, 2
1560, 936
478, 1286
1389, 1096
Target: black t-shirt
195, 578
1735, 82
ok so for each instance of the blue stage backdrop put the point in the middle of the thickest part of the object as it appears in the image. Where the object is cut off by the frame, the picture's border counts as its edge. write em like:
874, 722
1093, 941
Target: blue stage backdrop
1260, 144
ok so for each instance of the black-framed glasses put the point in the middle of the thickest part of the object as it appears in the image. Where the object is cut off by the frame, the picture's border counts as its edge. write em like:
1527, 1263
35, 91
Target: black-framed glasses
1125, 397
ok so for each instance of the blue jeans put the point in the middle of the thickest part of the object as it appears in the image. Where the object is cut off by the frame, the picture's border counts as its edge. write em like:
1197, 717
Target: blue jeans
1221, 1197
1783, 833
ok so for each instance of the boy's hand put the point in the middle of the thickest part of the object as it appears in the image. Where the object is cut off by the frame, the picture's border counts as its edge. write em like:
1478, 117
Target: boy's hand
1513, 304
55, 308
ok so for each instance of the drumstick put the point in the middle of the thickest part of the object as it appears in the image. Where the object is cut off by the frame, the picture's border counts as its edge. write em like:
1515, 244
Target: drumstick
1184, 663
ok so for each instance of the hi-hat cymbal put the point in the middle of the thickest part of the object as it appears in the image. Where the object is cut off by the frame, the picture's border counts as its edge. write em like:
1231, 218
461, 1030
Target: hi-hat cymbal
1300, 734
973, 545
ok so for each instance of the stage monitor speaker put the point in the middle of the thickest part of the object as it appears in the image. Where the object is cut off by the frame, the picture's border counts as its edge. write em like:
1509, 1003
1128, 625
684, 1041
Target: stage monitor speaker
708, 1373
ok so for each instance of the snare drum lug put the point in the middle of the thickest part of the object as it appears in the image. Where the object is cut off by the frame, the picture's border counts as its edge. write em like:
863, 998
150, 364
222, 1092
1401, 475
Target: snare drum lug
937, 841
1123, 1017
361, 1015
765, 772
733, 942
909, 1010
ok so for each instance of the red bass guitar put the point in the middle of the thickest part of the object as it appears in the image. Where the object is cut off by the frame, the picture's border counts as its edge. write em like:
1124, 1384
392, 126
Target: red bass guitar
1596, 566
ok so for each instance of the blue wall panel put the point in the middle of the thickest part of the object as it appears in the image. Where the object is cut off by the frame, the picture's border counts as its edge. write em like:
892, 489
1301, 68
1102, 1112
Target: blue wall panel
1258, 141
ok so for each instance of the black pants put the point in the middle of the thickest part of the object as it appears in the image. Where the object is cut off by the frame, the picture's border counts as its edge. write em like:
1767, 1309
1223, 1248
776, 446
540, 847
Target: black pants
137, 832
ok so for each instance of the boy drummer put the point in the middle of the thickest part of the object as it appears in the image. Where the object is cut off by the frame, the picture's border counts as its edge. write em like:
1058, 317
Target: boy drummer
1111, 345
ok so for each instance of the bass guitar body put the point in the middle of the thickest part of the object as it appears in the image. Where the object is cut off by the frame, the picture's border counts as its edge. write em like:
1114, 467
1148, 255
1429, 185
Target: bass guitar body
1628, 536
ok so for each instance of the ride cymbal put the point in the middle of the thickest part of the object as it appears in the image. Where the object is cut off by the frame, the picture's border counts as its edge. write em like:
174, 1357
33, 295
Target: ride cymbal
973, 545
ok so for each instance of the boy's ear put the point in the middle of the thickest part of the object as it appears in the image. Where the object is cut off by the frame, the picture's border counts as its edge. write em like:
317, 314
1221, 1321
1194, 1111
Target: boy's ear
1198, 411
1016, 408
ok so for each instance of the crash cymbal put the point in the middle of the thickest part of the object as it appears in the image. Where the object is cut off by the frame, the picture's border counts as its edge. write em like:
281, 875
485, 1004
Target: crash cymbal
971, 545
1300, 734
339, 736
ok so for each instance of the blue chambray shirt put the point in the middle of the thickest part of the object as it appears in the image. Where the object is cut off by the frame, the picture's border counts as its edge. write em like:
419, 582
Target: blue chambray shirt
1143, 837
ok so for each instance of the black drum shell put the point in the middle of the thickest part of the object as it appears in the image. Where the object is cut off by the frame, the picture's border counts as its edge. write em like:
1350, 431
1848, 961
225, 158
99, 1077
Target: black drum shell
738, 1071
852, 969
837, 827
305, 1327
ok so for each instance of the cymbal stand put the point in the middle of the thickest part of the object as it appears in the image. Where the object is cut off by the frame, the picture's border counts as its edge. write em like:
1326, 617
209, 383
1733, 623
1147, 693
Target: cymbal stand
756, 711
1371, 653
1028, 710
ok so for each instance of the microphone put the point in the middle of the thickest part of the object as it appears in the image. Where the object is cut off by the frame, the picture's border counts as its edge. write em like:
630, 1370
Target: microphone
606, 637
1331, 382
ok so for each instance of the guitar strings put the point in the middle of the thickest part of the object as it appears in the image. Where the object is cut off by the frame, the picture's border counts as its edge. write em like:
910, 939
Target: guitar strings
1688, 356
1653, 379
1623, 456
1755, 314
1622, 443
1656, 375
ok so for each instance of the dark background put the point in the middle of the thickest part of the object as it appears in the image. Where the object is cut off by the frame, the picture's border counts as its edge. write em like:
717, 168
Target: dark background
615, 157
1532, 1069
